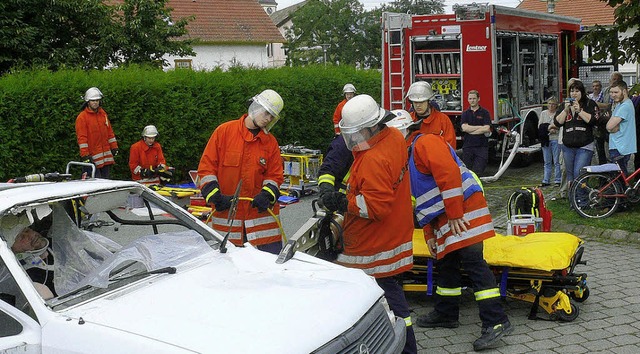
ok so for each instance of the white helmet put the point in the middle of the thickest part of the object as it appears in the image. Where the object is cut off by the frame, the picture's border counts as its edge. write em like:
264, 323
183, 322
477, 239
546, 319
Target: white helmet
402, 121
270, 101
150, 131
360, 116
348, 88
93, 94
420, 91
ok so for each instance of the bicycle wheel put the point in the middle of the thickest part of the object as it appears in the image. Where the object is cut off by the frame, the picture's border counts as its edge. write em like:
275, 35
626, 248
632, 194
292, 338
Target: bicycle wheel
590, 200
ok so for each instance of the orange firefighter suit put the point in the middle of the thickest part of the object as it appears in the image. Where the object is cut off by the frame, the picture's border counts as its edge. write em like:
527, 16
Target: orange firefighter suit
95, 136
232, 154
337, 116
378, 225
143, 156
438, 123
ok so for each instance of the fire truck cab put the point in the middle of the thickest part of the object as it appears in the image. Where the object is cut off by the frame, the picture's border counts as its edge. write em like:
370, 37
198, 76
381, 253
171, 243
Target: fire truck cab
516, 59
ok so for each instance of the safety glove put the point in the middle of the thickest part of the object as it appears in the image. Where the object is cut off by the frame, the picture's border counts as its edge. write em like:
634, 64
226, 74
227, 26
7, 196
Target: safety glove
266, 198
115, 151
323, 188
147, 173
334, 201
164, 174
212, 195
86, 159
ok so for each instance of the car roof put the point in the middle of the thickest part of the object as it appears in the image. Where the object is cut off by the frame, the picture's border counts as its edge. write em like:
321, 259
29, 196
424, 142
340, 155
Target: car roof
23, 193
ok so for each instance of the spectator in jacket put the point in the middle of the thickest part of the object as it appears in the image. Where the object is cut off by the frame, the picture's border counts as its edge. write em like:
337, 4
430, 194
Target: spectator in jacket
622, 126
242, 150
599, 131
577, 118
96, 139
378, 225
146, 160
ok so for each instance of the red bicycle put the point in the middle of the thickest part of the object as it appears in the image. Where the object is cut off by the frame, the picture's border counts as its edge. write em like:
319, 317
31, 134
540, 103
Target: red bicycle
601, 190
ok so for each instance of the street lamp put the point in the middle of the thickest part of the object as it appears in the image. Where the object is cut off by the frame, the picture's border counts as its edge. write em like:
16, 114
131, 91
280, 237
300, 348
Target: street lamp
324, 52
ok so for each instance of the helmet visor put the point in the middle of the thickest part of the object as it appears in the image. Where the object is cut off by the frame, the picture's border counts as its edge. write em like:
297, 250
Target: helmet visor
360, 140
261, 117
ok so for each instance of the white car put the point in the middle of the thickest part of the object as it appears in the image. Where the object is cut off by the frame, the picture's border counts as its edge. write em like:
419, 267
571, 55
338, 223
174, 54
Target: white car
116, 279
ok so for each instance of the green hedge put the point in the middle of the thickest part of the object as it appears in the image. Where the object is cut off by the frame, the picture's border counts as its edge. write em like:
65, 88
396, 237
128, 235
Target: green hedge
38, 110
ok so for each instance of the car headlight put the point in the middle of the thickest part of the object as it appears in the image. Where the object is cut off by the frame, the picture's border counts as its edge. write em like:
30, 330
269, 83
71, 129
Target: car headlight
390, 314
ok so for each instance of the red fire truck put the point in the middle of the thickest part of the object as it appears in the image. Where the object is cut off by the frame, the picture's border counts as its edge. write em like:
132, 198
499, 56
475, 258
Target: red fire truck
515, 58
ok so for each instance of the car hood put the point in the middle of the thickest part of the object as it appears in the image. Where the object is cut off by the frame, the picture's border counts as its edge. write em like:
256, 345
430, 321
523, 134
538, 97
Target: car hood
240, 301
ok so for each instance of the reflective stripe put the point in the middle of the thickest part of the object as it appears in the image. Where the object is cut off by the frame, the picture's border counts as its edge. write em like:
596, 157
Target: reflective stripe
252, 236
112, 140
432, 209
206, 179
271, 182
449, 291
260, 221
389, 267
362, 205
487, 294
452, 193
327, 178
223, 222
470, 233
84, 145
430, 194
407, 321
137, 170
375, 257
214, 191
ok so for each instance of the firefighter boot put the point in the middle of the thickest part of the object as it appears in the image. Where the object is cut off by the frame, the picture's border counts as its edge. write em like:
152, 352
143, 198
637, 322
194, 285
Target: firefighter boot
491, 336
435, 319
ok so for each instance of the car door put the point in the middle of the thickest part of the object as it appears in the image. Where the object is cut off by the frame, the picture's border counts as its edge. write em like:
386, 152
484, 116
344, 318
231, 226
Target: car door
19, 331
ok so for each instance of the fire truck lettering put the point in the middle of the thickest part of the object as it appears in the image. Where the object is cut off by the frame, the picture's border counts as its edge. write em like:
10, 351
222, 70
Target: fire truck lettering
476, 48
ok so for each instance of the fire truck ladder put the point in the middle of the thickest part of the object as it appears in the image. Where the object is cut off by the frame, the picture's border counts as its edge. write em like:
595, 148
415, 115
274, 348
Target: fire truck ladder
395, 24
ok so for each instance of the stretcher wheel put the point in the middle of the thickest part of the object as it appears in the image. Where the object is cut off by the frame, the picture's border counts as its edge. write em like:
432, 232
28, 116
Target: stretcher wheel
561, 315
294, 194
585, 295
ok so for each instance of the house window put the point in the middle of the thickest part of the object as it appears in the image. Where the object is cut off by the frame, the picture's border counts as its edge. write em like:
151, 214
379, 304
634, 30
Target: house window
183, 63
270, 50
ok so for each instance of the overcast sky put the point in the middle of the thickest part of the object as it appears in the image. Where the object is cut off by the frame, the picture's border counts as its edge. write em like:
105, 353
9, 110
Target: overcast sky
369, 4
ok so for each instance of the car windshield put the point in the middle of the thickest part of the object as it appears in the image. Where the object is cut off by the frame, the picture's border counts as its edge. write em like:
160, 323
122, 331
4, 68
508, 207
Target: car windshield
101, 241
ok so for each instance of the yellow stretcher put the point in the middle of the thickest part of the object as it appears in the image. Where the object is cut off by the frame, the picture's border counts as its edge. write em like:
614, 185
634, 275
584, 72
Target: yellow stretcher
537, 268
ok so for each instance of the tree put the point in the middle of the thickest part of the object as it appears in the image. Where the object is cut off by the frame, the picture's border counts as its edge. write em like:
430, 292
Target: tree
606, 41
418, 7
87, 33
52, 34
350, 35
148, 32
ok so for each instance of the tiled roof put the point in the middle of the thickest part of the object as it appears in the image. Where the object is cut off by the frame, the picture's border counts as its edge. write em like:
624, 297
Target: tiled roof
591, 12
280, 17
233, 21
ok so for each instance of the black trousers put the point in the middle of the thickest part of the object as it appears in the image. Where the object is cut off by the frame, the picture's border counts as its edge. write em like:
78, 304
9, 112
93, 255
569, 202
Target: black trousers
400, 307
450, 276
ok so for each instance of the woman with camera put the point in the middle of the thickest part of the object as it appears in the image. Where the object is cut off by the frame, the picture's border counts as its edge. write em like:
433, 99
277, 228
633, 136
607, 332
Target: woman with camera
578, 117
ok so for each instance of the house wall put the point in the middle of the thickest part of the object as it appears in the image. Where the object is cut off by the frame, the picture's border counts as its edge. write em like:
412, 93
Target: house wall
209, 57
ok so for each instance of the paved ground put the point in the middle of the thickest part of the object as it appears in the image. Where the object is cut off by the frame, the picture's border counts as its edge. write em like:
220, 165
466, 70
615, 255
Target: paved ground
608, 321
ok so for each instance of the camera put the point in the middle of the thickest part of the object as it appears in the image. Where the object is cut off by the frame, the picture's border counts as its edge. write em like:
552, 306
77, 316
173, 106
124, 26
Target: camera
571, 100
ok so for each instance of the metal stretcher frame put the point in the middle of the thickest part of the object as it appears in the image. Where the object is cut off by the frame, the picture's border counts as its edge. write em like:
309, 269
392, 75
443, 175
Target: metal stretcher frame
555, 291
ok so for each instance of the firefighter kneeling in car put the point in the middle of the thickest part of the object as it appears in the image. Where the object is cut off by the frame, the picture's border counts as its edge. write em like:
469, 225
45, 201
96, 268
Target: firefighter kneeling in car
378, 222
146, 160
452, 210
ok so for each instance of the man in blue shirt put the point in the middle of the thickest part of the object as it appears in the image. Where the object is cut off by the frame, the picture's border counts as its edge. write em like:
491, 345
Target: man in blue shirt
476, 124
621, 126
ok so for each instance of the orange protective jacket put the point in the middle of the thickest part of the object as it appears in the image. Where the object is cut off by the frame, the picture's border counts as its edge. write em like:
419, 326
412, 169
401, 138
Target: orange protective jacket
95, 136
378, 225
337, 116
142, 156
233, 154
440, 124
432, 156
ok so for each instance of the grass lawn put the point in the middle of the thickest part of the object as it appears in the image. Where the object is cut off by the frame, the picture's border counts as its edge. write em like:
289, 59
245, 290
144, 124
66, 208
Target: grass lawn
628, 220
